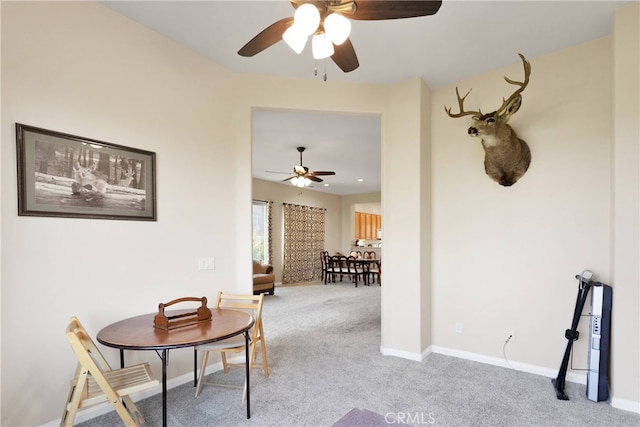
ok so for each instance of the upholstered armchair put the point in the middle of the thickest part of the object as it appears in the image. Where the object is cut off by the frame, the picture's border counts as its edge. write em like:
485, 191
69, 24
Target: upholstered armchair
263, 278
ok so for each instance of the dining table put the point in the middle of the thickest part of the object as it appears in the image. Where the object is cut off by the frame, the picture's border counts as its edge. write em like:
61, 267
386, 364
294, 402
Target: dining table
139, 333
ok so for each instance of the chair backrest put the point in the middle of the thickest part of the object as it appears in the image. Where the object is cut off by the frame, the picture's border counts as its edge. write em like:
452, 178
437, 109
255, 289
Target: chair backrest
339, 263
351, 264
85, 349
247, 303
93, 364
369, 255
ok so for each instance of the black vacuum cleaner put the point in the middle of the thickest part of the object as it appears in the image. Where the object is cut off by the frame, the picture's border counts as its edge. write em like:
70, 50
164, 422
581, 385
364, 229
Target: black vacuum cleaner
599, 339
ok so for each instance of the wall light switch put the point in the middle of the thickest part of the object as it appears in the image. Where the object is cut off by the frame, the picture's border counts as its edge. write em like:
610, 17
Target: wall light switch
205, 263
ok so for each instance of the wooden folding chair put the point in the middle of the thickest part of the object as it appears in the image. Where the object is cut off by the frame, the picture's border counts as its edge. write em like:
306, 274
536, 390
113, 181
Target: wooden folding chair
235, 345
95, 382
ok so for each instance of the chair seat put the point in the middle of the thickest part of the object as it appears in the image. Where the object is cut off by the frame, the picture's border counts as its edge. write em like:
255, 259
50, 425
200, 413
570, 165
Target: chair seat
124, 381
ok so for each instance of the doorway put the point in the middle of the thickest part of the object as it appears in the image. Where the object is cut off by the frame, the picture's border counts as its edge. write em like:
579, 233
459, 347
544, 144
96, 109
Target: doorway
348, 144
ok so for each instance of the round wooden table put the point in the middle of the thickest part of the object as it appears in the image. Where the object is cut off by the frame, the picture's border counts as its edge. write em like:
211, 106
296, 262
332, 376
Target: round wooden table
138, 333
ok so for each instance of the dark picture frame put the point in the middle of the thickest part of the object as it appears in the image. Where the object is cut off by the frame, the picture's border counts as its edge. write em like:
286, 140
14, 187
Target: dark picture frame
63, 175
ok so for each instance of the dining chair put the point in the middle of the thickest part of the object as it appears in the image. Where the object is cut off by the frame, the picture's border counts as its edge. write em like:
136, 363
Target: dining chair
375, 270
362, 270
347, 266
325, 265
95, 382
374, 266
235, 345
333, 268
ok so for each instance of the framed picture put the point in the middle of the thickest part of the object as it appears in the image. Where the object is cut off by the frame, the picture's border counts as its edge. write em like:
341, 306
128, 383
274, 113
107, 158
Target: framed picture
64, 175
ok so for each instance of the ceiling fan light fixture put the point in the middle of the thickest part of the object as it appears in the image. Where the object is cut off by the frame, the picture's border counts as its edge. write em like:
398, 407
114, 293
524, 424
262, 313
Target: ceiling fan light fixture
337, 28
295, 38
321, 46
300, 181
307, 18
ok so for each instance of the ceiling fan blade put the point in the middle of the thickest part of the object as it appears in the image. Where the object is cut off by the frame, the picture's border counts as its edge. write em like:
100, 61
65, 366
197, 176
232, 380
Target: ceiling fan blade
345, 56
368, 10
314, 178
290, 178
266, 38
323, 173
281, 173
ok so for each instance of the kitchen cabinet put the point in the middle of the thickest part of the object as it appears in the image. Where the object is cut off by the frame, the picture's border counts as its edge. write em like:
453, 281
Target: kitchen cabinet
367, 226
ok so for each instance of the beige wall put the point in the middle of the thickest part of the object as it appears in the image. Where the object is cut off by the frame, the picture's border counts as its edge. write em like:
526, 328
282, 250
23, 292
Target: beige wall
79, 68
625, 224
402, 210
501, 259
287, 193
426, 208
505, 257
113, 80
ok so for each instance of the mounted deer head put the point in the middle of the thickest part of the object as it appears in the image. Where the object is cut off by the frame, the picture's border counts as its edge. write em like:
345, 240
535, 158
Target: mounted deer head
506, 157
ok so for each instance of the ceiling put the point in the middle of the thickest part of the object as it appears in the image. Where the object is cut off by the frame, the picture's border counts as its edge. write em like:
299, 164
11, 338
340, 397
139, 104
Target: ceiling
464, 39
346, 144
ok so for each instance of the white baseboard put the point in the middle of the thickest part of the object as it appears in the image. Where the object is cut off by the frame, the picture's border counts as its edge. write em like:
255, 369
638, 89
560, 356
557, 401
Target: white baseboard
400, 353
626, 405
574, 377
427, 352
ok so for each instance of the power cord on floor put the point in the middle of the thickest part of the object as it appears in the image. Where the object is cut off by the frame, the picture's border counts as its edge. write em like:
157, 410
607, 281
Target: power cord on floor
504, 351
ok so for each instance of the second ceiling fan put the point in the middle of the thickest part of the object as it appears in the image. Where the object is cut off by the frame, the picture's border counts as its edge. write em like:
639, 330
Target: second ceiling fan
302, 175
326, 21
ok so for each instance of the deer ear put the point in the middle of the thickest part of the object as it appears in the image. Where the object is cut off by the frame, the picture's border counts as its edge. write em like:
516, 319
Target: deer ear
512, 108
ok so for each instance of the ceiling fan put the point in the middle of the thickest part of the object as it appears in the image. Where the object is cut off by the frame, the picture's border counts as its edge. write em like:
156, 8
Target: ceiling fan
327, 21
302, 177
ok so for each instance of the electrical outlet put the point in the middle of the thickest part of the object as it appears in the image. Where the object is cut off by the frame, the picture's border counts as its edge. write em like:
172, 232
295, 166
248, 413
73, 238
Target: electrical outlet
458, 327
205, 263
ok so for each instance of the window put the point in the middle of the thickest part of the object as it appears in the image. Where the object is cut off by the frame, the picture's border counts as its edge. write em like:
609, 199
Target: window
260, 232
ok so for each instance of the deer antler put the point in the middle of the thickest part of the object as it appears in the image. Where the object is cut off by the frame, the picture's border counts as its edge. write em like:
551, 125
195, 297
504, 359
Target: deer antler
462, 112
523, 85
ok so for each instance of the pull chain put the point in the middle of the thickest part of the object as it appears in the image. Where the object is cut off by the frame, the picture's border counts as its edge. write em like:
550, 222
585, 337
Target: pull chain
315, 69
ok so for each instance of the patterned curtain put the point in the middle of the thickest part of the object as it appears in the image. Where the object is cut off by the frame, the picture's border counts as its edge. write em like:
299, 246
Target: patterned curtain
303, 242
270, 232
